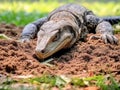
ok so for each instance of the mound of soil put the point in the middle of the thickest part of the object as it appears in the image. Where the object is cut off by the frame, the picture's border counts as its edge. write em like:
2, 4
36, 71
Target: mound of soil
84, 59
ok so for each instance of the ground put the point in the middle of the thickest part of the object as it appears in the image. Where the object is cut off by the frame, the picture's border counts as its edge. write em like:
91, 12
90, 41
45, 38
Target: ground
92, 57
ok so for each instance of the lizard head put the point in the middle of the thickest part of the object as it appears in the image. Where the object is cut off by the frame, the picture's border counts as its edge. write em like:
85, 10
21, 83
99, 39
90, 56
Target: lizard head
52, 37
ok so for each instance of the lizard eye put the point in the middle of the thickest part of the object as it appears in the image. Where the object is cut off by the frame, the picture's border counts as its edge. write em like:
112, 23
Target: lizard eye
56, 37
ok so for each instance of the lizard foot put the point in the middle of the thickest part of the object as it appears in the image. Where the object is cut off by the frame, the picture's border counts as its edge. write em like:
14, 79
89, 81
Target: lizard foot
107, 38
24, 40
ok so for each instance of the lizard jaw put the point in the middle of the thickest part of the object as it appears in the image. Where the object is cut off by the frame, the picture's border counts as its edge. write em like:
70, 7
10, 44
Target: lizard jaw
61, 45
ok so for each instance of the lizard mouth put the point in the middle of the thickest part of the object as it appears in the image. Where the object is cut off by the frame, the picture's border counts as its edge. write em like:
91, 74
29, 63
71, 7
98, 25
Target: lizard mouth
42, 55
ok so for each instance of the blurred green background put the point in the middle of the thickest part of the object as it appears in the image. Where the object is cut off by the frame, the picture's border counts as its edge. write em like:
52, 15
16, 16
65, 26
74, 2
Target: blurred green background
21, 12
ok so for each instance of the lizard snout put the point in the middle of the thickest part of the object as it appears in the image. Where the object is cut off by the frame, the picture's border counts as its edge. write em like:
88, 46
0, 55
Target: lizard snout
40, 53
40, 50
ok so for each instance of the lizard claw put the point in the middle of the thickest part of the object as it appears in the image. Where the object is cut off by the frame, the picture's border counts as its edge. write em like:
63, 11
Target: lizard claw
95, 37
23, 40
109, 38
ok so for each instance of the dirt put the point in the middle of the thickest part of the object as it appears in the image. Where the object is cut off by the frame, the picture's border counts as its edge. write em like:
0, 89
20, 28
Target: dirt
89, 58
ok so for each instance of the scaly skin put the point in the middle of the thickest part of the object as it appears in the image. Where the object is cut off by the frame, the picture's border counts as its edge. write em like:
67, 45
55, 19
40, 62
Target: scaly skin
63, 27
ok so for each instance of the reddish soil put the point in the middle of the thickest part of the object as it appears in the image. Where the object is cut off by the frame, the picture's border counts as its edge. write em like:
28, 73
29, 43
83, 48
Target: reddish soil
83, 59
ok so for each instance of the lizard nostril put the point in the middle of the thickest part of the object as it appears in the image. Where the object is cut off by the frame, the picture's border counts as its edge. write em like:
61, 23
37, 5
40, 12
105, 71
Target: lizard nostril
42, 51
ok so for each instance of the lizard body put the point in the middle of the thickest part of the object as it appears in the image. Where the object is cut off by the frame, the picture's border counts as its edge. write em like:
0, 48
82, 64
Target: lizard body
64, 26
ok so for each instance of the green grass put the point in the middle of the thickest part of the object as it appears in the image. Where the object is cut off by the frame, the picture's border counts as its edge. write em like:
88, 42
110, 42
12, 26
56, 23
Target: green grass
21, 13
46, 82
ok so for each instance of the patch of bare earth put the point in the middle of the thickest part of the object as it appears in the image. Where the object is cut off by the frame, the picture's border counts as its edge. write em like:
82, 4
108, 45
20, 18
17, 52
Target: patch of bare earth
84, 59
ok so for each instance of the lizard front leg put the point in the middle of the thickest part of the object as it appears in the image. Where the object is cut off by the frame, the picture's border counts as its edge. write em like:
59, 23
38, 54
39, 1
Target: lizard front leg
105, 30
31, 30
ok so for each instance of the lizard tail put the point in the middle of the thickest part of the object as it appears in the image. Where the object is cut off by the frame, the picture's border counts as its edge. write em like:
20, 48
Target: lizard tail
112, 20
